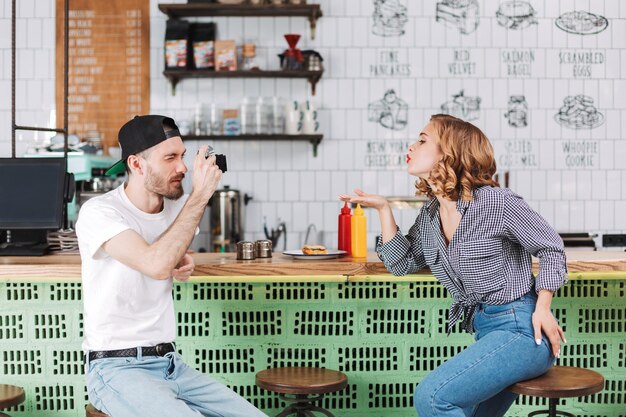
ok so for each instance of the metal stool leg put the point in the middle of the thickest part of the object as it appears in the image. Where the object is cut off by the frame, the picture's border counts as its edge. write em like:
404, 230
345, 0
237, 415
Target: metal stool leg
551, 411
302, 406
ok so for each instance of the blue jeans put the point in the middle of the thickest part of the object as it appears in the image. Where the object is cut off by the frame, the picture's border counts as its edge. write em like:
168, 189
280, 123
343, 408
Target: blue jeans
474, 382
160, 386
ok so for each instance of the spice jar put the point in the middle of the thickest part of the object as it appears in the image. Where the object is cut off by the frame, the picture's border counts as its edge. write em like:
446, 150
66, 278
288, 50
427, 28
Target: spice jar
245, 250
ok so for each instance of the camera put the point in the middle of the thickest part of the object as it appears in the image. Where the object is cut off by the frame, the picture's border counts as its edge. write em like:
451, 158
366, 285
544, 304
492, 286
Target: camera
220, 160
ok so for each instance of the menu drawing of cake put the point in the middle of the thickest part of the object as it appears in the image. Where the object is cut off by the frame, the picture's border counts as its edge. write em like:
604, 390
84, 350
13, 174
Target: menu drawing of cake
462, 14
390, 16
391, 112
580, 22
578, 112
462, 106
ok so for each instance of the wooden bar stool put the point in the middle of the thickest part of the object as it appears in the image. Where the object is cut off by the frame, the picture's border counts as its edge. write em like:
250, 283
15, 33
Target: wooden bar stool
92, 412
560, 382
10, 395
301, 386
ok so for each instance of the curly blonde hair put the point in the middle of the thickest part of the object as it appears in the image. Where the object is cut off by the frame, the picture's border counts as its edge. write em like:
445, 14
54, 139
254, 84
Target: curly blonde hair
467, 160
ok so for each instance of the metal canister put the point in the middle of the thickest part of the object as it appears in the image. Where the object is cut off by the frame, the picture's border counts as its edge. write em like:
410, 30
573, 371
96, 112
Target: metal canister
263, 248
245, 250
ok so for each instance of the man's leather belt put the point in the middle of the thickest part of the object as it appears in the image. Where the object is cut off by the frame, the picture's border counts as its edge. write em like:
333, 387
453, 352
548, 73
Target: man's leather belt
158, 350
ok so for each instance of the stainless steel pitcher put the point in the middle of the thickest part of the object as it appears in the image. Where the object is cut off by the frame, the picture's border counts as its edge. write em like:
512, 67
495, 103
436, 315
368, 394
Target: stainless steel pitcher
226, 219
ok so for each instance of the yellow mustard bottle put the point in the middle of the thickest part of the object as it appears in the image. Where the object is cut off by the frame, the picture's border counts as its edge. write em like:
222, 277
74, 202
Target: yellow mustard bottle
359, 233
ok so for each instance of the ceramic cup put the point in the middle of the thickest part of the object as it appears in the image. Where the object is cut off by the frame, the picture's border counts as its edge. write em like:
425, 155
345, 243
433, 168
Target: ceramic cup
293, 122
310, 125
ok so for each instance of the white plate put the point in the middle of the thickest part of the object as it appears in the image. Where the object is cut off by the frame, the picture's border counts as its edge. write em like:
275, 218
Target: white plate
332, 253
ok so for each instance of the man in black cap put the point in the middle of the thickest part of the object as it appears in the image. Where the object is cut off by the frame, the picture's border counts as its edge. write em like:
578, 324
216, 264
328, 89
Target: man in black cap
133, 242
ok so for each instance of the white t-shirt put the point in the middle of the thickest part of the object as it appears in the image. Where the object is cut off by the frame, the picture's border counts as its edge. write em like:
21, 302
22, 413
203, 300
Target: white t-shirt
123, 307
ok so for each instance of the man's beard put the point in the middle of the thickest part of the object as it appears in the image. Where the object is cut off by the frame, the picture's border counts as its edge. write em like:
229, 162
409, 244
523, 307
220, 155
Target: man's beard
163, 186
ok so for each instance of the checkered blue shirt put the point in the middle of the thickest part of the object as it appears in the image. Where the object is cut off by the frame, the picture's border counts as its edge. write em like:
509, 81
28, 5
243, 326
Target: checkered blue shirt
488, 259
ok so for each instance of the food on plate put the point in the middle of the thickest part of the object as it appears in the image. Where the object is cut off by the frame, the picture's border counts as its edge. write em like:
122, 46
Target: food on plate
579, 112
581, 22
314, 250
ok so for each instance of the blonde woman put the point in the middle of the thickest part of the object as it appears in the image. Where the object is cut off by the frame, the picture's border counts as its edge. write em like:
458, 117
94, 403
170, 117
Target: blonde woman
478, 240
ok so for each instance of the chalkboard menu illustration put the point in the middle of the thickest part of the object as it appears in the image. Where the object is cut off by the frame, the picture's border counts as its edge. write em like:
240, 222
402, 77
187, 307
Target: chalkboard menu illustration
580, 22
578, 112
391, 112
462, 14
390, 16
516, 14
462, 106
517, 111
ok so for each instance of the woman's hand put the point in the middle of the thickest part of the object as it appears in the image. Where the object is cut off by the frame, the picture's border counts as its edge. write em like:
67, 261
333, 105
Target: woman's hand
543, 321
183, 270
365, 200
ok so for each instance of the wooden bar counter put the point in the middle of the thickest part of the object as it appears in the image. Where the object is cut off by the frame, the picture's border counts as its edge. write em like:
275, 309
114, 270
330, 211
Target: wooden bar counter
223, 267
236, 318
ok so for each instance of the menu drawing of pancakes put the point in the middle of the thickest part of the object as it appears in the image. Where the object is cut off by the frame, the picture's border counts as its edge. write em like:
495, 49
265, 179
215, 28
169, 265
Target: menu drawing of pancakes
580, 22
578, 112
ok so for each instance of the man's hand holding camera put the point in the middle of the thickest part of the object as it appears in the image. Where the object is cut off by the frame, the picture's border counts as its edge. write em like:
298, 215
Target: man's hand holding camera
206, 174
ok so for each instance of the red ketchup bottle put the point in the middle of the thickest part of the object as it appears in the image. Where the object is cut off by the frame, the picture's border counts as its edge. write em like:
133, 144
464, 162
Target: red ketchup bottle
345, 230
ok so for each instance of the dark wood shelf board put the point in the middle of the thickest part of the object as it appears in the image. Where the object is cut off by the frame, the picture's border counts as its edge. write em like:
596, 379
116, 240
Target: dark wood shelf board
179, 74
309, 138
313, 139
175, 75
175, 11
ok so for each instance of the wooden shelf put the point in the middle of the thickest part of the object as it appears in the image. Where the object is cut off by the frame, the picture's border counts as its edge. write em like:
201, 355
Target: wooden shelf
313, 139
310, 11
175, 75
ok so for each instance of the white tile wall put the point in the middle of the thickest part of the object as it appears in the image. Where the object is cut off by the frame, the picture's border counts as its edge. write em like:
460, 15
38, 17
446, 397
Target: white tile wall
289, 184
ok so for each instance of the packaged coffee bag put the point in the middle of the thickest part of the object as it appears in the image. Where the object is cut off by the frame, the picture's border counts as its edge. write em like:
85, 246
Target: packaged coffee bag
202, 42
176, 35
225, 55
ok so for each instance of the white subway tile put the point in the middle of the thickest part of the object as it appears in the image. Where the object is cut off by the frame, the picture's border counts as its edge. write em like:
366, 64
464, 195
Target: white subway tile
620, 218
316, 214
607, 215
283, 156
300, 220
615, 34
25, 9
346, 155
322, 186
614, 185
285, 214
330, 158
346, 94
5, 33
338, 185
307, 186
592, 216
269, 216
261, 186
577, 216
585, 184
331, 220
597, 188
562, 216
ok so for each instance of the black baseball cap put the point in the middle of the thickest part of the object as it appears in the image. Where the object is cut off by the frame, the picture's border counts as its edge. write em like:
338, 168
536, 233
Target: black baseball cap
141, 133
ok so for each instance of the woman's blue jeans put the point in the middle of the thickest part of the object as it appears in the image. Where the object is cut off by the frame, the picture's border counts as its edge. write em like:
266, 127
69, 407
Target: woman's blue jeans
474, 382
